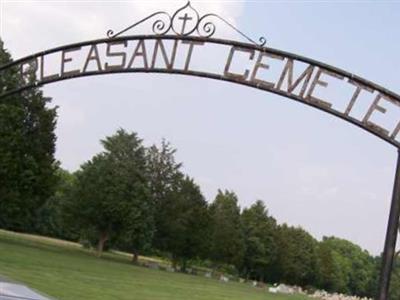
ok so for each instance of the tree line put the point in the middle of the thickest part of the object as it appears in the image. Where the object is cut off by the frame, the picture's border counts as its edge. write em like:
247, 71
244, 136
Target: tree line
137, 199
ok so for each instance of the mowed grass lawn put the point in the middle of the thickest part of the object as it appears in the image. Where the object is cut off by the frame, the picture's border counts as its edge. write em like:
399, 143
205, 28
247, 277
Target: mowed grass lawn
66, 271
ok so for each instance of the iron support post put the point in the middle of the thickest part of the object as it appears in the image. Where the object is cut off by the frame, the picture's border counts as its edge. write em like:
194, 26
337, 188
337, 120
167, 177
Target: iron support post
391, 237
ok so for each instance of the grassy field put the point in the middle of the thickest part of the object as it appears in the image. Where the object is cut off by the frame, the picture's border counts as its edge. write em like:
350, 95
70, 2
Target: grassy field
67, 272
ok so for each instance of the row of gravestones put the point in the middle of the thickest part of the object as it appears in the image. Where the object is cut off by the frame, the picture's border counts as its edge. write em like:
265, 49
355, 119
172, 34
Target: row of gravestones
281, 288
193, 271
156, 266
216, 275
322, 295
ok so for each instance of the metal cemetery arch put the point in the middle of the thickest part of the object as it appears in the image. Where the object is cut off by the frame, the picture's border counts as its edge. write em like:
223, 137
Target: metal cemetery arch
187, 29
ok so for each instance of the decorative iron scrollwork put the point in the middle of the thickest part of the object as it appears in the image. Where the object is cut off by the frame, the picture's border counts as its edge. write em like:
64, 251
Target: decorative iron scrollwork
186, 21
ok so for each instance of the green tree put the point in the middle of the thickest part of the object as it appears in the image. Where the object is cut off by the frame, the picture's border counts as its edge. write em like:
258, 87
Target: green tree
112, 193
165, 178
27, 146
52, 220
185, 230
227, 240
395, 281
139, 230
332, 270
357, 264
297, 255
260, 239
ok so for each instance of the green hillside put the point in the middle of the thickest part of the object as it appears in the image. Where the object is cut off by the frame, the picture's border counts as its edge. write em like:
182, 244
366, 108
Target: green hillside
66, 271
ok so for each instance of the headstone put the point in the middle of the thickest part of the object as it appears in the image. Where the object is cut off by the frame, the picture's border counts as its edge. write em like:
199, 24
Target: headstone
273, 290
285, 289
154, 265
223, 278
170, 269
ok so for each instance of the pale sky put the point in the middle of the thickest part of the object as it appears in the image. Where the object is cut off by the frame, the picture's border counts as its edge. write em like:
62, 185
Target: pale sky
310, 168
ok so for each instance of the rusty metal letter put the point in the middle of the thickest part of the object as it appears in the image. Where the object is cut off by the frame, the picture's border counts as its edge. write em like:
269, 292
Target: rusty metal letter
259, 64
32, 67
375, 106
190, 51
142, 47
169, 63
318, 81
65, 59
291, 86
359, 87
93, 55
120, 54
42, 77
228, 73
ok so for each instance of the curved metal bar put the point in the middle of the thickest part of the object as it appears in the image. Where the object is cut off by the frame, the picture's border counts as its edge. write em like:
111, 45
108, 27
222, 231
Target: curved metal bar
347, 118
215, 76
157, 25
262, 40
226, 42
209, 28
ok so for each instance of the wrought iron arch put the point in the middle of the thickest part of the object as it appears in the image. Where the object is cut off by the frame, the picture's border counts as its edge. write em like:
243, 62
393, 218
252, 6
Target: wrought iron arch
198, 30
322, 67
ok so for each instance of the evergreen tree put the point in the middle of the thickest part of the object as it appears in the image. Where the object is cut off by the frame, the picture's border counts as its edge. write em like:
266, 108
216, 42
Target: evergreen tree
185, 230
137, 236
356, 264
165, 179
260, 238
52, 220
331, 270
227, 240
112, 192
296, 256
27, 146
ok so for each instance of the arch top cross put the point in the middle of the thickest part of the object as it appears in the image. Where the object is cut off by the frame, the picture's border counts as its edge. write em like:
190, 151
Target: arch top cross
186, 21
